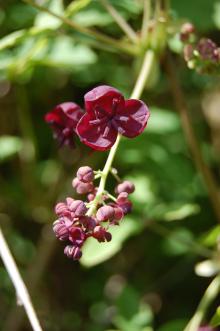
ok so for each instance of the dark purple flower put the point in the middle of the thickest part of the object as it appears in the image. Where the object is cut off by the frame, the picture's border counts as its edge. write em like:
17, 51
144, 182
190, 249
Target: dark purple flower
88, 222
63, 120
101, 234
85, 174
107, 114
76, 236
73, 252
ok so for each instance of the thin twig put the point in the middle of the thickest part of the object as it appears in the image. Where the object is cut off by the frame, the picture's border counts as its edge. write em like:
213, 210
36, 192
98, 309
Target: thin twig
208, 297
191, 138
21, 290
89, 32
119, 19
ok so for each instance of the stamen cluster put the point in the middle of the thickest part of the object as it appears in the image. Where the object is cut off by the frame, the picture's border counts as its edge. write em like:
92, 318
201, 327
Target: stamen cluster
75, 224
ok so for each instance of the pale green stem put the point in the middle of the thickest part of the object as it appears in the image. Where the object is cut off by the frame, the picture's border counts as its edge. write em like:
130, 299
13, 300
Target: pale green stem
146, 19
21, 290
119, 19
92, 33
208, 297
137, 91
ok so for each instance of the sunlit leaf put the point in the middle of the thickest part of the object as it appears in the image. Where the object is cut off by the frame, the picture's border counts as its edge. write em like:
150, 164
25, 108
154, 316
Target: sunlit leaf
48, 21
76, 6
95, 252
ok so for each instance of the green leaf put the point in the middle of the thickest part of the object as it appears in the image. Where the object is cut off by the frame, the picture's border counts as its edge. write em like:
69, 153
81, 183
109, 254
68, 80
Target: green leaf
9, 146
95, 252
48, 21
216, 15
65, 53
178, 241
92, 17
215, 321
75, 6
175, 325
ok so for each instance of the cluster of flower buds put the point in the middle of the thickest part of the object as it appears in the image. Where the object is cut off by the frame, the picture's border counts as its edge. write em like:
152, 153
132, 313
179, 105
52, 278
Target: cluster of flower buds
75, 224
203, 54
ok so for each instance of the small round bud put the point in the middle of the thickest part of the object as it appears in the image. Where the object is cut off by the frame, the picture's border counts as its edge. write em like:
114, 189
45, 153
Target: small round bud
82, 188
119, 214
61, 209
85, 174
125, 186
61, 228
101, 234
105, 213
188, 52
122, 198
78, 207
126, 207
73, 252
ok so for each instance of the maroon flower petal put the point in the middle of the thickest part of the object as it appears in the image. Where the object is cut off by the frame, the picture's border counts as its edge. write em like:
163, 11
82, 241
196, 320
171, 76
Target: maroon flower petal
132, 119
104, 99
100, 136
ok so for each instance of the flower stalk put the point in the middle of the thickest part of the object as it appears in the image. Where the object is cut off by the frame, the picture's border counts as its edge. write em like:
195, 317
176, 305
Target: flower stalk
136, 93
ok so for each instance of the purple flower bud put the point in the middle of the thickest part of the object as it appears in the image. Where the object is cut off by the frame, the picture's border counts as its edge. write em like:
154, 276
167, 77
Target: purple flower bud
126, 207
101, 234
78, 207
122, 198
61, 228
76, 236
206, 328
85, 174
91, 197
187, 29
125, 186
73, 252
105, 213
88, 222
119, 214
82, 188
61, 209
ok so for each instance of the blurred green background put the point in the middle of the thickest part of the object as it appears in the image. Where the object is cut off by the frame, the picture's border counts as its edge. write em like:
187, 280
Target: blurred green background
144, 279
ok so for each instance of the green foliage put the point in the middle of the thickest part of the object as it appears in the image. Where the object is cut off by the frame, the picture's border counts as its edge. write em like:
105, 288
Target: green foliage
9, 146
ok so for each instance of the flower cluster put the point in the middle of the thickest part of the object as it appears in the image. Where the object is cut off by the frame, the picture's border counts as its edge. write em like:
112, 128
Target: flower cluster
106, 115
75, 224
203, 54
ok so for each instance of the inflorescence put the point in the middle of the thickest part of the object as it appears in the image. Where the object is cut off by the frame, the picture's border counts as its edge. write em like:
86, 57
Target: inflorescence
107, 115
74, 224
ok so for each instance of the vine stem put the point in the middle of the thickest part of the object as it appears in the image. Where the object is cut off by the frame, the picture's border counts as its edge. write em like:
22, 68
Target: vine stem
137, 91
119, 19
118, 44
191, 138
209, 295
21, 290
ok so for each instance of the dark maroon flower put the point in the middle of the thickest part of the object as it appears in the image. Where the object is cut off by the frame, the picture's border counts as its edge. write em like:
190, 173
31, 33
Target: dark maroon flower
107, 114
101, 234
125, 186
76, 236
88, 222
105, 213
85, 174
63, 120
73, 252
